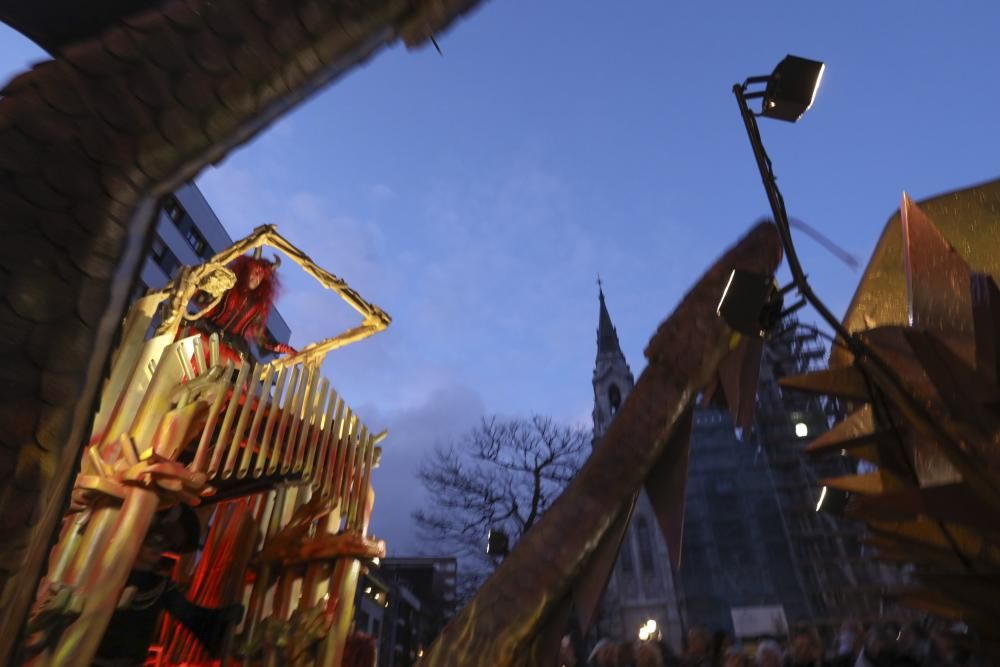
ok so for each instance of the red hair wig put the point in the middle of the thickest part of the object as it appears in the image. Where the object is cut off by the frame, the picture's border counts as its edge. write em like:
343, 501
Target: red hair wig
269, 287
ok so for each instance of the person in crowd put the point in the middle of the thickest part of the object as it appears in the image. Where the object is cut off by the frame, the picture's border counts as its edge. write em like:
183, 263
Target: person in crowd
649, 654
912, 644
769, 654
805, 649
603, 654
360, 650
699, 647
567, 656
850, 641
624, 655
735, 657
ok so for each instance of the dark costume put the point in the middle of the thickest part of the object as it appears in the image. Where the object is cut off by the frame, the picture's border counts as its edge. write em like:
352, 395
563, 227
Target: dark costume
132, 628
241, 316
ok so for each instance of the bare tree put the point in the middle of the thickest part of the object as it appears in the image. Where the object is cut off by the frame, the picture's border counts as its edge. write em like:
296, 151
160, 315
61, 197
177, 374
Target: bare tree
501, 475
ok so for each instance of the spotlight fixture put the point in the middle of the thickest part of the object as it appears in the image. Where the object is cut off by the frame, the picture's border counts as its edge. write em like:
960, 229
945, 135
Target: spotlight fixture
497, 543
791, 88
751, 303
801, 430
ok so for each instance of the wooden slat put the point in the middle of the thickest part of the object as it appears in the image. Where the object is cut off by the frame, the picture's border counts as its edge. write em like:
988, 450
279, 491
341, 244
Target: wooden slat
366, 481
305, 393
213, 349
344, 459
253, 385
227, 421
311, 417
201, 363
334, 413
258, 418
352, 490
323, 419
272, 418
332, 488
286, 415
208, 432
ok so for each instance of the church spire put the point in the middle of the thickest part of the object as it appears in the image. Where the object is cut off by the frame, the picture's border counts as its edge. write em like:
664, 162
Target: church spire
607, 336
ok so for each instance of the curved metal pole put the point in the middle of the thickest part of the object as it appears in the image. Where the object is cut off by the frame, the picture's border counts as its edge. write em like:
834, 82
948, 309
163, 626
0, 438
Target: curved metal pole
781, 222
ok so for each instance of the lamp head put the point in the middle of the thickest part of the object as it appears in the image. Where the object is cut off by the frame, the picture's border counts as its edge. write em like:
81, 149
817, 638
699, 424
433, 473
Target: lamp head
791, 88
751, 303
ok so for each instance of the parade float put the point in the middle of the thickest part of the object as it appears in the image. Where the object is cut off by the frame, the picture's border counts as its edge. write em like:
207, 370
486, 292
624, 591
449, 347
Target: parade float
273, 463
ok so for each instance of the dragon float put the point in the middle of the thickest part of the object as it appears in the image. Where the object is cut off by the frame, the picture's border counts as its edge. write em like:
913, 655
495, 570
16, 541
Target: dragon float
276, 462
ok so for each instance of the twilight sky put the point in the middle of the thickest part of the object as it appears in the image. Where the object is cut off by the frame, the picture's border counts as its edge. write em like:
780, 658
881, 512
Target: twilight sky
475, 196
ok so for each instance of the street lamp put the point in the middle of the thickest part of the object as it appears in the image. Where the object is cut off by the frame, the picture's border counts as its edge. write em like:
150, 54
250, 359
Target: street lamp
788, 93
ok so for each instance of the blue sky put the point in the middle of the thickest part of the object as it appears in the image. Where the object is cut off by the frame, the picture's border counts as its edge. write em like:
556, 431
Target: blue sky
476, 195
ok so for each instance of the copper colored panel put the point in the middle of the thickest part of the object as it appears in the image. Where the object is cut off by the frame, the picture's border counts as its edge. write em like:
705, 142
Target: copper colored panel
937, 278
969, 219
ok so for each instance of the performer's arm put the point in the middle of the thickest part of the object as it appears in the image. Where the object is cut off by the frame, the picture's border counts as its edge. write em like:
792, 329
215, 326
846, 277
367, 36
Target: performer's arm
266, 341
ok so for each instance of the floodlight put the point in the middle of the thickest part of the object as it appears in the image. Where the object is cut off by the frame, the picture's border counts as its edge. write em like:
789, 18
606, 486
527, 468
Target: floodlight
497, 543
750, 303
791, 88
801, 430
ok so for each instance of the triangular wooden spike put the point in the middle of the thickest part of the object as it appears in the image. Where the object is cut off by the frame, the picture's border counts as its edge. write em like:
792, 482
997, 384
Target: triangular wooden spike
846, 383
856, 437
666, 487
870, 483
928, 601
930, 532
894, 550
738, 373
937, 277
946, 502
963, 391
856, 430
945, 603
976, 590
588, 589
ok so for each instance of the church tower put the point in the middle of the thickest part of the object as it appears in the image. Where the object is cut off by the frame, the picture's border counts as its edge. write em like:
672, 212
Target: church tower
612, 377
641, 587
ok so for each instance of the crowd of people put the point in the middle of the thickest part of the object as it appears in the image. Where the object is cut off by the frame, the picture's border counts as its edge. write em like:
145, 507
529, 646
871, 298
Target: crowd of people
883, 645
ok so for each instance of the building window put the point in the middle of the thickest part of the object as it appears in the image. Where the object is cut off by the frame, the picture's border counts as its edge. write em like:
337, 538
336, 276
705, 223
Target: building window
173, 209
645, 544
614, 399
164, 257
157, 248
626, 555
196, 240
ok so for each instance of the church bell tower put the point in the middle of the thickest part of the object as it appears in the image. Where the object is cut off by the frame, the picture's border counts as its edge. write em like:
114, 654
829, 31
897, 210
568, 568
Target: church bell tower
612, 377
641, 587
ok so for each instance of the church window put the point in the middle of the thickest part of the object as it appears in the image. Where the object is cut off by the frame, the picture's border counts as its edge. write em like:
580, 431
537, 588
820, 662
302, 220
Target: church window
645, 544
626, 555
614, 399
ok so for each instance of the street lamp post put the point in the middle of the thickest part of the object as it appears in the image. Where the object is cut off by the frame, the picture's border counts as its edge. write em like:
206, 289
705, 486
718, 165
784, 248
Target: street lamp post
789, 92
